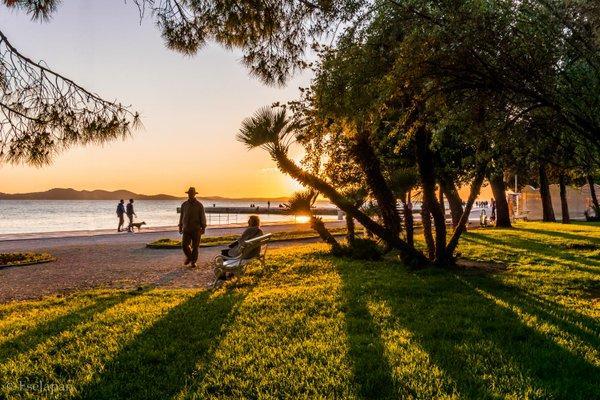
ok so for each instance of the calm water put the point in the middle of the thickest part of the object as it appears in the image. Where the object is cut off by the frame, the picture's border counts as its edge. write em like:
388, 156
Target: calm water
37, 216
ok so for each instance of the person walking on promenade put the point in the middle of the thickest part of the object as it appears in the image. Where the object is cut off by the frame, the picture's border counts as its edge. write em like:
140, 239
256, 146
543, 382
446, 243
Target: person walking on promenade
121, 214
192, 224
130, 214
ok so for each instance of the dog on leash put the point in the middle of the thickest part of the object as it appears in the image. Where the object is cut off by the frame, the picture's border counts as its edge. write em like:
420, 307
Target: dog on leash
137, 225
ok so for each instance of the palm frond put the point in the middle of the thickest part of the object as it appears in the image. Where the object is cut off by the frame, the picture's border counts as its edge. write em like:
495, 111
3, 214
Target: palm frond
301, 202
267, 128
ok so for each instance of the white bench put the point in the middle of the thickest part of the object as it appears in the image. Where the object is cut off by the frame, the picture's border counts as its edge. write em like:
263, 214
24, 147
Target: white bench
523, 215
235, 265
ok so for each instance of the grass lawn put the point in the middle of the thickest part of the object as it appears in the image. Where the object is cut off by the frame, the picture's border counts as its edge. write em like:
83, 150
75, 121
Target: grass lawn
210, 241
312, 326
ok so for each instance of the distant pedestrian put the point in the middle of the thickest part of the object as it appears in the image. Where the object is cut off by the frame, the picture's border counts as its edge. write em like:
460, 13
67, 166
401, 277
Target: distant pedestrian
268, 205
130, 214
493, 216
121, 214
192, 224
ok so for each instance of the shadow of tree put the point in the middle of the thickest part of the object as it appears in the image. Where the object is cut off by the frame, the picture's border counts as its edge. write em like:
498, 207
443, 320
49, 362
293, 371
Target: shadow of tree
482, 348
561, 234
159, 362
46, 330
371, 369
541, 250
584, 328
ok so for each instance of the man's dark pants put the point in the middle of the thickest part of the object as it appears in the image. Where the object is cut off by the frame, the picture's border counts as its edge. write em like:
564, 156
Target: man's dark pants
130, 227
190, 242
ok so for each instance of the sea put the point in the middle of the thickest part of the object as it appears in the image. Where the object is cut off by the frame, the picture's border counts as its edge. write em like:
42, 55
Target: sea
44, 216
56, 216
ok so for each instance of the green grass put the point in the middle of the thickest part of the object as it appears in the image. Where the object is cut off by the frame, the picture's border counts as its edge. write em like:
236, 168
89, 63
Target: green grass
210, 241
19, 259
312, 326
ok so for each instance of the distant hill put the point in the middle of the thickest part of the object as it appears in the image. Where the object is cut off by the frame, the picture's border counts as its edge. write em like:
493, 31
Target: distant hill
72, 194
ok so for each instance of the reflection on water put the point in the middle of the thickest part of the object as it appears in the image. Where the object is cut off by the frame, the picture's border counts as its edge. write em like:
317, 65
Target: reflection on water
36, 216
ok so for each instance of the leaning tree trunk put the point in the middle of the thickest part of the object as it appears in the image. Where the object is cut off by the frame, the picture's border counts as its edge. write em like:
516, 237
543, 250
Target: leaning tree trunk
564, 205
590, 180
350, 228
410, 255
454, 201
317, 224
409, 220
502, 211
427, 174
427, 232
547, 209
364, 153
462, 225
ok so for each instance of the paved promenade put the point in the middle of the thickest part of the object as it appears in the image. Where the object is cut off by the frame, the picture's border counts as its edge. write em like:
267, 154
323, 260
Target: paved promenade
110, 261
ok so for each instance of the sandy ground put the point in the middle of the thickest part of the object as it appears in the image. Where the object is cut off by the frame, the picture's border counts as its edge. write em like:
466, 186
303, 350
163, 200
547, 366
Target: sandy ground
110, 261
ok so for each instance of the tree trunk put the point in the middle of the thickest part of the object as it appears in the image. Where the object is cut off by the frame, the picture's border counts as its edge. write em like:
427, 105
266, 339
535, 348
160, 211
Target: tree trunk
564, 205
462, 225
427, 174
427, 233
590, 180
409, 254
409, 220
454, 201
547, 209
317, 224
502, 211
386, 200
350, 235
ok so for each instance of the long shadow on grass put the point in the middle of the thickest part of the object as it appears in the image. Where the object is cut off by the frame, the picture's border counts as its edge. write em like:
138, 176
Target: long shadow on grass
579, 324
584, 328
539, 249
562, 235
159, 362
46, 330
371, 370
484, 349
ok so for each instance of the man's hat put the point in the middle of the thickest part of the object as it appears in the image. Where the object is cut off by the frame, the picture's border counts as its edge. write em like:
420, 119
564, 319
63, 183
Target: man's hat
192, 190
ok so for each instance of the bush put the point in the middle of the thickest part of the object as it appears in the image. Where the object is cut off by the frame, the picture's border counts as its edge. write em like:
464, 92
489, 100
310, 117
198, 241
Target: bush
15, 259
361, 249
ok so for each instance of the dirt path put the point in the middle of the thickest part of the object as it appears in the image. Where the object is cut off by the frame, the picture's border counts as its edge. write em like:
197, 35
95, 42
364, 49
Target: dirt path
103, 262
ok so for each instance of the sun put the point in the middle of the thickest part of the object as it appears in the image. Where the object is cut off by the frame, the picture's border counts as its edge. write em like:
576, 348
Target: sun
302, 219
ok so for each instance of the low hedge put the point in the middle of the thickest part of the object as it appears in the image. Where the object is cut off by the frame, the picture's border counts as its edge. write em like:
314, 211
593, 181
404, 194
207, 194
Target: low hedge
19, 259
225, 240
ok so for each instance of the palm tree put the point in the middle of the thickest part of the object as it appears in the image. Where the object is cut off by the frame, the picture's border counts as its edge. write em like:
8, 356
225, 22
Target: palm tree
269, 129
274, 132
301, 203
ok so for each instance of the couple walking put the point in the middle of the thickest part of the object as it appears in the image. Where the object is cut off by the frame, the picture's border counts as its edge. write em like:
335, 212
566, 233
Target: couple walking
192, 225
122, 211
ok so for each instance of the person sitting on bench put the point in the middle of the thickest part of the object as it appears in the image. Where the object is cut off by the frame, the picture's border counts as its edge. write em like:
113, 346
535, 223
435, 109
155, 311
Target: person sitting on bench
253, 230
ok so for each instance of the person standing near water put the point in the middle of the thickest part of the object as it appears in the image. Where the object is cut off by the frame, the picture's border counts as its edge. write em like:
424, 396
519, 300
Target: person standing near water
192, 224
130, 214
121, 214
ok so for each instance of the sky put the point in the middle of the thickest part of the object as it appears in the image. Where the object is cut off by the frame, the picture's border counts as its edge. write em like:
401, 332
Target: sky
191, 107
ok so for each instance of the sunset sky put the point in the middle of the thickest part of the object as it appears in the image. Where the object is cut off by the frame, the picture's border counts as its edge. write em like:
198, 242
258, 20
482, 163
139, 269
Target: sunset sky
191, 107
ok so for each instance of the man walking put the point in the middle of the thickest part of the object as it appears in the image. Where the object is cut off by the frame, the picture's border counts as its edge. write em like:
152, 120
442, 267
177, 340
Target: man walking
192, 223
130, 214
121, 214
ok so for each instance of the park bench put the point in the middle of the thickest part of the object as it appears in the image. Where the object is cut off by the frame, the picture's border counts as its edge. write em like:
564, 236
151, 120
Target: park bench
523, 215
235, 265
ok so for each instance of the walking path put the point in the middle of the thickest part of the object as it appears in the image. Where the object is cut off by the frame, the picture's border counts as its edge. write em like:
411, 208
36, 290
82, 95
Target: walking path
111, 261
